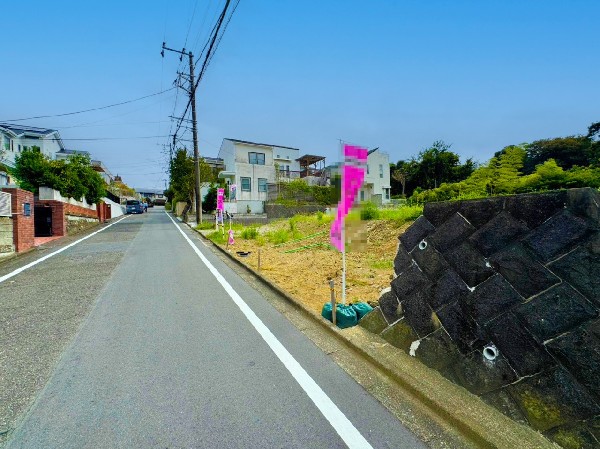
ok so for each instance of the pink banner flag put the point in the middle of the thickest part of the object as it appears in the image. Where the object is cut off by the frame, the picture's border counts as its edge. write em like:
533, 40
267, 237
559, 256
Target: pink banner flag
353, 176
220, 196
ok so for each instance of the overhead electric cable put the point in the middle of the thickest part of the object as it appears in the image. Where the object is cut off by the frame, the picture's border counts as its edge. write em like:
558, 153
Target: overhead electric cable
91, 109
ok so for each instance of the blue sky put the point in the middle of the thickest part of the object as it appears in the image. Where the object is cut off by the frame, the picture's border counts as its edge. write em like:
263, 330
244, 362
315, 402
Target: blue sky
393, 74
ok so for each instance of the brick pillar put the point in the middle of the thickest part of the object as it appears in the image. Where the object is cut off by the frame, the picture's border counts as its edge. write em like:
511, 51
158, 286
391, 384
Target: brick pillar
101, 212
59, 219
23, 226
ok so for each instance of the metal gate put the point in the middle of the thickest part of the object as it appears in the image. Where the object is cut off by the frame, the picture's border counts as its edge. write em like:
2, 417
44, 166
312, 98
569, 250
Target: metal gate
43, 221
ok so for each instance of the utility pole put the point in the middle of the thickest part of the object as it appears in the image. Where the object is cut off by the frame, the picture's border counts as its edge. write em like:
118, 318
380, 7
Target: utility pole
195, 137
192, 93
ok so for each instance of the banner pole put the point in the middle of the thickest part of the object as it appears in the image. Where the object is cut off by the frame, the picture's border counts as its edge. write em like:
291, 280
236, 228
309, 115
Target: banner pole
343, 260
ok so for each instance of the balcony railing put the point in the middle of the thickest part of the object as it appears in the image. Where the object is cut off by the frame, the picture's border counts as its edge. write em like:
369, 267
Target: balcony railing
288, 174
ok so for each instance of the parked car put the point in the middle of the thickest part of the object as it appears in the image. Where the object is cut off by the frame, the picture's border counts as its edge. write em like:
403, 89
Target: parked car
134, 207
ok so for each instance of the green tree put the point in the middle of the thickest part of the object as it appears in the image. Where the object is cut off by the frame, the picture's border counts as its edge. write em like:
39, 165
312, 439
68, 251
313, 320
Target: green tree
74, 178
209, 203
430, 169
181, 172
32, 169
566, 151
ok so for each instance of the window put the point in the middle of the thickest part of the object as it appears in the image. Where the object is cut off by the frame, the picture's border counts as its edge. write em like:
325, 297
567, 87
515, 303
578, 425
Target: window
387, 194
367, 169
362, 195
262, 184
19, 148
246, 184
381, 170
256, 158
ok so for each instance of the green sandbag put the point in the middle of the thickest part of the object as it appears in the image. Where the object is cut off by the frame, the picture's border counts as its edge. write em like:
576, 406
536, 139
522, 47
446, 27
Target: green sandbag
362, 308
345, 315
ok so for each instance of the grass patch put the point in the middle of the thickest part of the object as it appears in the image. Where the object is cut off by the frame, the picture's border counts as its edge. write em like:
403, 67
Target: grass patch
382, 264
279, 236
401, 215
250, 233
205, 225
217, 237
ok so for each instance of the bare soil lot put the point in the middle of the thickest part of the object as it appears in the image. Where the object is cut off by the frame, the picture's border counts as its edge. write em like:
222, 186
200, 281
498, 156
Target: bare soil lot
304, 264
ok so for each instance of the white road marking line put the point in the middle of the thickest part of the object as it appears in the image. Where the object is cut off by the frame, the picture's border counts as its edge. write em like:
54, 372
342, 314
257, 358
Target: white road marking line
48, 256
342, 425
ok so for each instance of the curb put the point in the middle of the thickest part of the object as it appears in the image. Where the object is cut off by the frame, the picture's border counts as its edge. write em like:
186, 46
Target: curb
469, 422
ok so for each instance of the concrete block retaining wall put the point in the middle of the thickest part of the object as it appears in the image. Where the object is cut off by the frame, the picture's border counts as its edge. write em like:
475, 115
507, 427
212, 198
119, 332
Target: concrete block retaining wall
275, 211
502, 296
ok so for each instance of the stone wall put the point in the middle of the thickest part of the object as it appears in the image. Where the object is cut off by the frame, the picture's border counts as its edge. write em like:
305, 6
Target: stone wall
502, 296
274, 211
6, 235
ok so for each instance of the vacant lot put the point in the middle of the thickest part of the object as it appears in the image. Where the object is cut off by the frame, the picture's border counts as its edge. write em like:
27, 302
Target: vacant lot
295, 254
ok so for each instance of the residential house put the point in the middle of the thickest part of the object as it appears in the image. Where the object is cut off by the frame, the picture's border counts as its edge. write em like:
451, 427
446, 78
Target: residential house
16, 138
156, 195
250, 166
376, 187
102, 171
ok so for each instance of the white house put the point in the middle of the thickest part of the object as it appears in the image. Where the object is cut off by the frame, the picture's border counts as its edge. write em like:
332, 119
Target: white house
250, 166
16, 138
376, 187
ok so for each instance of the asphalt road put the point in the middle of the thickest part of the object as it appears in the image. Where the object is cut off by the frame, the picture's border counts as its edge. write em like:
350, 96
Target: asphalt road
178, 351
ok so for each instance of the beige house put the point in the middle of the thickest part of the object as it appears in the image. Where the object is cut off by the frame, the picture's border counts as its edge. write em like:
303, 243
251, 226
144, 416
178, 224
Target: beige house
250, 167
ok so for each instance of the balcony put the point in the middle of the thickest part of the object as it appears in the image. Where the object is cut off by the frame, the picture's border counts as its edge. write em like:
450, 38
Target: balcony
287, 175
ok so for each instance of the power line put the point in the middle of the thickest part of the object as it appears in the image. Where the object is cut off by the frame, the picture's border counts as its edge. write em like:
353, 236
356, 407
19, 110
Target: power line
92, 109
212, 40
113, 138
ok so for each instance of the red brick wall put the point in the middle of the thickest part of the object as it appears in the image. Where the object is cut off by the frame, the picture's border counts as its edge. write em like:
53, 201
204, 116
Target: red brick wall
59, 212
23, 227
79, 211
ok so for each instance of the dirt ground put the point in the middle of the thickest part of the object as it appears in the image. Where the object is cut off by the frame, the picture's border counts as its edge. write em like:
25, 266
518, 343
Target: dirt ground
306, 273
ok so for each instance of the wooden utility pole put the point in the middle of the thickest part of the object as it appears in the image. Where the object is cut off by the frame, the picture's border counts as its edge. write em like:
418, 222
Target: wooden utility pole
192, 93
195, 138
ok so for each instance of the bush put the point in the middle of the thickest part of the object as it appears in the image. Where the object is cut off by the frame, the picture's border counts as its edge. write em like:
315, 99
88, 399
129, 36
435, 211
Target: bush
250, 233
279, 236
74, 178
369, 211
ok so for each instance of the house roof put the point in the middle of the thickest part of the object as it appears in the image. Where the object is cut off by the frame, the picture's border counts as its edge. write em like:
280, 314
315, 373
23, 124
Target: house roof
31, 131
260, 144
20, 130
372, 151
310, 159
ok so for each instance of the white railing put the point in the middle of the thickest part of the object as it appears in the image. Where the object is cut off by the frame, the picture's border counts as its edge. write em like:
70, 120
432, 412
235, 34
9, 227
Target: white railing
5, 206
